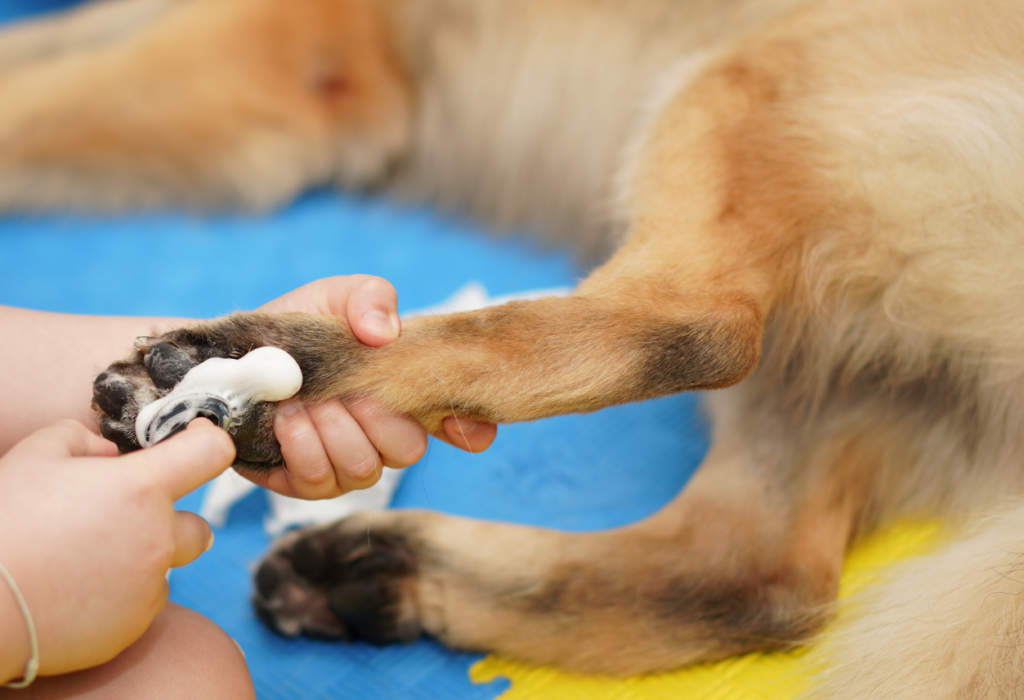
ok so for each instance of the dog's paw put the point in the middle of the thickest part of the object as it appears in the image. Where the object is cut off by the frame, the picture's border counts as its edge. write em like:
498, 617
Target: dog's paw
331, 583
171, 380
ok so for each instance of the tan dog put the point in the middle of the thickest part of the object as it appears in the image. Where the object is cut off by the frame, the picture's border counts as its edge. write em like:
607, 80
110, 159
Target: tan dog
824, 204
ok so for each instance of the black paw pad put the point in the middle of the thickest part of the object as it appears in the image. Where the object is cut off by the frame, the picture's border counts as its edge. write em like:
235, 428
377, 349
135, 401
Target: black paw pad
367, 593
119, 435
309, 558
167, 365
111, 393
363, 606
268, 578
288, 605
331, 584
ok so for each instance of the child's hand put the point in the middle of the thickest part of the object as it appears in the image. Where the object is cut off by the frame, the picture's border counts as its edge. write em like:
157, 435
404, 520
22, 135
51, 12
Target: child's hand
89, 537
335, 447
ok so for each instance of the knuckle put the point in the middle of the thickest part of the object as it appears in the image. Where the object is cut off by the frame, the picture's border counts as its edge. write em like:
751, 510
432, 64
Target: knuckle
69, 425
379, 288
222, 447
365, 472
328, 415
297, 429
410, 453
142, 489
316, 480
164, 549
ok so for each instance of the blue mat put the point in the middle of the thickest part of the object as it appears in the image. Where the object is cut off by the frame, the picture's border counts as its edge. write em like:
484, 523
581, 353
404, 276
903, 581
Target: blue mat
576, 472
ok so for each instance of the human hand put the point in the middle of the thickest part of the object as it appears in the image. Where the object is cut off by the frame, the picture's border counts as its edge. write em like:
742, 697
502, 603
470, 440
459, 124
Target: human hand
337, 446
89, 537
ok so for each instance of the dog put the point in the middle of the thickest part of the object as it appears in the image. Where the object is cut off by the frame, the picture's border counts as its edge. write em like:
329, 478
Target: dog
816, 210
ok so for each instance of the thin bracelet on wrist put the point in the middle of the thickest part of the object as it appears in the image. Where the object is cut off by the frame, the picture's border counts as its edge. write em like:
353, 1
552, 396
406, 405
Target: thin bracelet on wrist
32, 667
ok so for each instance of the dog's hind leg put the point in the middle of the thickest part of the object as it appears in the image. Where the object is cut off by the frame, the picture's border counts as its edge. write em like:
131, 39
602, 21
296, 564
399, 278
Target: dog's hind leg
87, 26
741, 560
211, 103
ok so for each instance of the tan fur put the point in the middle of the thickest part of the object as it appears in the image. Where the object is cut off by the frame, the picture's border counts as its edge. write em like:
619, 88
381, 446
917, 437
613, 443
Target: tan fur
942, 627
824, 209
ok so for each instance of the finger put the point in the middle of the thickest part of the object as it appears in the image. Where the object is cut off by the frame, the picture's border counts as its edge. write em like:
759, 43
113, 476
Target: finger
189, 459
309, 473
314, 298
467, 434
370, 304
104, 448
192, 537
399, 440
324, 297
277, 479
372, 312
66, 438
357, 465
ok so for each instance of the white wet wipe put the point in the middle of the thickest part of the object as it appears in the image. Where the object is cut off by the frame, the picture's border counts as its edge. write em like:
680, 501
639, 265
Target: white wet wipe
221, 389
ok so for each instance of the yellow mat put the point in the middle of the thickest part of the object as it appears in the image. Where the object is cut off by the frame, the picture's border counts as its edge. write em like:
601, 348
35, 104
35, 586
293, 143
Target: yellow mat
757, 676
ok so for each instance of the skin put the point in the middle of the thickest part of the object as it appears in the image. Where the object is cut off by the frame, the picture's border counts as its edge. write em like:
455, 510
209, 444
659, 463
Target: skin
180, 644
98, 615
64, 489
384, 437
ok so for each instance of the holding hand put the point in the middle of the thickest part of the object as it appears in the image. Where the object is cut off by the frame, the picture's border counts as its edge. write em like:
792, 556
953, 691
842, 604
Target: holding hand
336, 446
89, 538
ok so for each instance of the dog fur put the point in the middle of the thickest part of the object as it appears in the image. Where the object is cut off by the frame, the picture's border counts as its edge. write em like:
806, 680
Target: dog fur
817, 208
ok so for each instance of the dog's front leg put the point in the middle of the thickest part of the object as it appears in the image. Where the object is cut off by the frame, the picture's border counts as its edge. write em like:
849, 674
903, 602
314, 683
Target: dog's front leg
517, 362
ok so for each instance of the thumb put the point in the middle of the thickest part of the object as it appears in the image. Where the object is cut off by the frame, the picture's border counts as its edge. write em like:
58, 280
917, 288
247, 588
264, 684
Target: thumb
372, 312
189, 459
192, 537
66, 438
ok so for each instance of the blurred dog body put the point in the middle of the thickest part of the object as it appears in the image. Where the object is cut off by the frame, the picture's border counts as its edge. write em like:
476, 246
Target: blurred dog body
816, 207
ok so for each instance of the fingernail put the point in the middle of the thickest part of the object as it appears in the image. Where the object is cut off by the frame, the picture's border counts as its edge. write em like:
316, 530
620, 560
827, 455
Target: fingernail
462, 426
209, 543
381, 323
287, 409
469, 427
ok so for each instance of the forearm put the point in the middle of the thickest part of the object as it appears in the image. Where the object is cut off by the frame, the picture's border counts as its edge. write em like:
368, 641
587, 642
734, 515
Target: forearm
48, 362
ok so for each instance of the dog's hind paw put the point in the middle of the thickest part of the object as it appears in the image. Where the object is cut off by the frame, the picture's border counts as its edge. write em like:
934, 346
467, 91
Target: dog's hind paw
330, 583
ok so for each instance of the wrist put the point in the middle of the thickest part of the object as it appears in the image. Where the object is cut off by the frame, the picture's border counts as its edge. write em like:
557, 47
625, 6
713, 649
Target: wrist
15, 642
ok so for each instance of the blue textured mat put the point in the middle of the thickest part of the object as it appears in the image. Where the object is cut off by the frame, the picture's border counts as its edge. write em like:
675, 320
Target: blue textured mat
575, 472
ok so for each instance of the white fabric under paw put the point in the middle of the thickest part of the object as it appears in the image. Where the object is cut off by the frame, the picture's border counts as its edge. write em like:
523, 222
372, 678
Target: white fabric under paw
286, 513
222, 389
